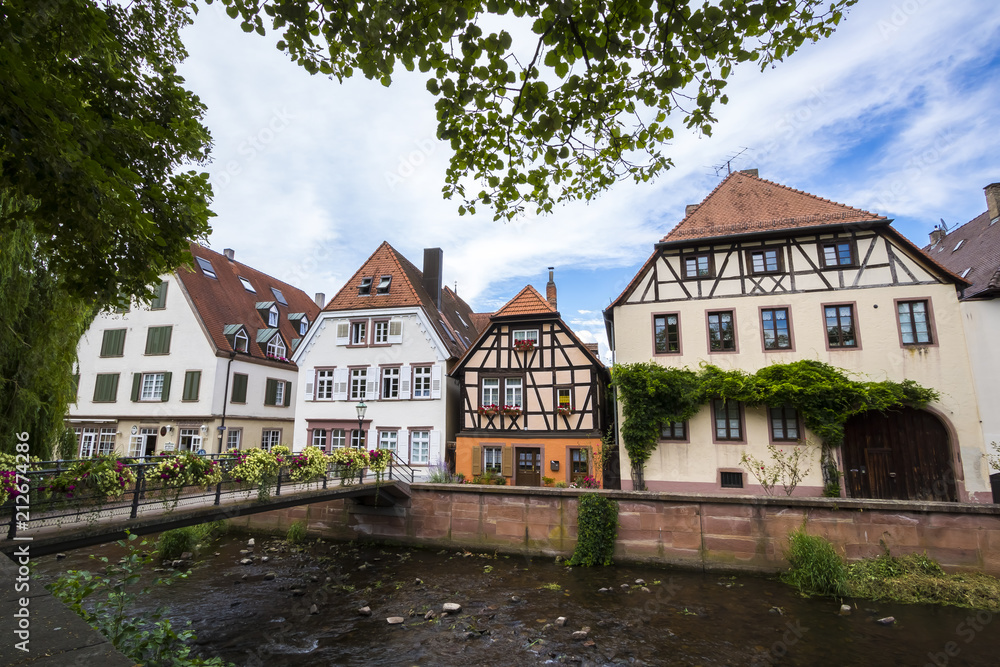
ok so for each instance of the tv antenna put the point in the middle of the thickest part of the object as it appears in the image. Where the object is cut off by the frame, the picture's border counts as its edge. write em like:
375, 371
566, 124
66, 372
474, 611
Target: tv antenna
727, 163
943, 226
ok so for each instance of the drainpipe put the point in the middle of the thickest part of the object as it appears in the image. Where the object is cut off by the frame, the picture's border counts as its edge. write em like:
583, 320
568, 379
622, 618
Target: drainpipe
225, 394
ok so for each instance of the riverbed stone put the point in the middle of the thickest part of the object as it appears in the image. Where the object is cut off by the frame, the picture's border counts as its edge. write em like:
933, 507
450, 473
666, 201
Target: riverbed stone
269, 576
250, 542
365, 611
313, 609
644, 589
888, 620
395, 620
515, 599
187, 555
430, 615
580, 634
246, 561
264, 559
625, 587
451, 607
640, 582
845, 610
561, 621
297, 592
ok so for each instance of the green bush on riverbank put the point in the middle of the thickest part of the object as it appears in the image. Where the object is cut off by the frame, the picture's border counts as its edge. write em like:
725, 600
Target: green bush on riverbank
172, 543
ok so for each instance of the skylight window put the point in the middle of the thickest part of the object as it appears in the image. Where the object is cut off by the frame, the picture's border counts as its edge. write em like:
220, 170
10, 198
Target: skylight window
966, 272
445, 327
365, 288
383, 285
959, 245
279, 296
461, 319
995, 219
246, 285
206, 267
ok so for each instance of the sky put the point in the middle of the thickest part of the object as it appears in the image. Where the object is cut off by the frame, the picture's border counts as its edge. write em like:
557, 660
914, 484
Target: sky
896, 113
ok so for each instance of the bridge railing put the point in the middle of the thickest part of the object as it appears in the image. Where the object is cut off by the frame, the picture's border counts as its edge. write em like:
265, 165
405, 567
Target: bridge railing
73, 491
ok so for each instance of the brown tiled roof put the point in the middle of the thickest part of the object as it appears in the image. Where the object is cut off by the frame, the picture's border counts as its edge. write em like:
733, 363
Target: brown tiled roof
406, 289
481, 321
526, 302
224, 301
743, 203
978, 244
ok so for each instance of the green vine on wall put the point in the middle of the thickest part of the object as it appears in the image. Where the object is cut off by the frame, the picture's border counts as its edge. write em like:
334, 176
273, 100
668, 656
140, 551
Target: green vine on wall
824, 396
597, 529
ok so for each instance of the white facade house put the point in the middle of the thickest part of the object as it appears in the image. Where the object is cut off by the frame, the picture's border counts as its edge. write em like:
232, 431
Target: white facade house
388, 339
167, 376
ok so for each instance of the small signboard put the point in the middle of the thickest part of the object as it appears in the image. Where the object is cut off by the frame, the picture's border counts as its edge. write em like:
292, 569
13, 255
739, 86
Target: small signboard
168, 446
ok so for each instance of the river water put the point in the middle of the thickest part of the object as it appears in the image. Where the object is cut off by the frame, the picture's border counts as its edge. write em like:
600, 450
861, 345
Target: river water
510, 606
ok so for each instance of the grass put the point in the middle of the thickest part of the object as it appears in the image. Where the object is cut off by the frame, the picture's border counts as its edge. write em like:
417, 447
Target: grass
551, 587
816, 568
172, 543
296, 532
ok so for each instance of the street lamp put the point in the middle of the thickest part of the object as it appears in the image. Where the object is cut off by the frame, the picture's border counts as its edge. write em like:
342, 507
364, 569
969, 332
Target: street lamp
361, 407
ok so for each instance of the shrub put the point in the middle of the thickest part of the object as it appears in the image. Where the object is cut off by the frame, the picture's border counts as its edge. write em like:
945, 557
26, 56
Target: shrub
296, 532
490, 478
816, 568
172, 543
440, 474
597, 523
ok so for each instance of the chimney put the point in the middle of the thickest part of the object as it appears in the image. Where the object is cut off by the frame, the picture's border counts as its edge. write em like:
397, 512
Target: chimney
689, 209
433, 258
229, 253
993, 199
550, 289
937, 235
750, 172
593, 347
320, 299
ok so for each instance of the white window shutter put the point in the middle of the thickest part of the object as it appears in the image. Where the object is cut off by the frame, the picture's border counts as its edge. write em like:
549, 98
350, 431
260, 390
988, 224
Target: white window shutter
434, 449
435, 381
310, 373
309, 391
395, 332
371, 391
343, 333
404, 382
340, 384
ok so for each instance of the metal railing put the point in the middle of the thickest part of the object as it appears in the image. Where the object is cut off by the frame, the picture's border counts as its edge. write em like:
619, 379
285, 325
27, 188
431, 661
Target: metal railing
47, 507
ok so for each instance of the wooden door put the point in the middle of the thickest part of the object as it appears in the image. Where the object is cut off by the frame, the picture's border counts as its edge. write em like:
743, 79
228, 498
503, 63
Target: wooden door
529, 466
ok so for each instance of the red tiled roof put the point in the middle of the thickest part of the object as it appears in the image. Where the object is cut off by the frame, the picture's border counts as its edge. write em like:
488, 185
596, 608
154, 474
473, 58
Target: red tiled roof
526, 302
481, 320
978, 249
223, 300
744, 203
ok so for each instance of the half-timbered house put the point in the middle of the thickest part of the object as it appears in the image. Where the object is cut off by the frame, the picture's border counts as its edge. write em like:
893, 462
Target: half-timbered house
532, 395
760, 273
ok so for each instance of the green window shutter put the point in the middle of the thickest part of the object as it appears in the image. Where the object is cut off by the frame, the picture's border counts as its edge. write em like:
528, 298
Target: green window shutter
192, 382
477, 460
271, 392
288, 394
160, 301
107, 344
136, 386
106, 388
167, 331
507, 462
166, 387
239, 394
158, 340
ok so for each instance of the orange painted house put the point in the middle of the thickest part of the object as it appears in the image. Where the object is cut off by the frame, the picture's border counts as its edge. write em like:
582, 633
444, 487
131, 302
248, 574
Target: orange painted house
533, 397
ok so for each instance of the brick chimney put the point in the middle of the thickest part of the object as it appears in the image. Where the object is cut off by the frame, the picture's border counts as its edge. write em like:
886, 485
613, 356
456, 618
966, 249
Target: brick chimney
433, 258
320, 299
993, 199
550, 289
750, 172
937, 235
230, 254
689, 209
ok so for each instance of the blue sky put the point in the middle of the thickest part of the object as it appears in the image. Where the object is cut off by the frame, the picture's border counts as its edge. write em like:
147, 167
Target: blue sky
896, 113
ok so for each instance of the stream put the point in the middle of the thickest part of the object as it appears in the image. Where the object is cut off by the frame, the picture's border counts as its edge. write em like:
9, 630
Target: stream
510, 606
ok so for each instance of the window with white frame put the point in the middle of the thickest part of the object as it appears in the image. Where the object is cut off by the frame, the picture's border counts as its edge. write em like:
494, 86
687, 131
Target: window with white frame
337, 438
387, 440
137, 445
269, 438
390, 383
152, 387
246, 284
303, 326
380, 332
88, 442
492, 459
241, 341
190, 440
421, 382
420, 447
276, 346
279, 393
512, 391
491, 392
324, 385
359, 333
565, 398
106, 444
359, 379
520, 335
319, 438
272, 316
357, 439
233, 438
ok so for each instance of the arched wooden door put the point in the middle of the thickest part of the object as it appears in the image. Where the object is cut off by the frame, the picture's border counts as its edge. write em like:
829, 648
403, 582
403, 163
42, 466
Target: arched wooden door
898, 455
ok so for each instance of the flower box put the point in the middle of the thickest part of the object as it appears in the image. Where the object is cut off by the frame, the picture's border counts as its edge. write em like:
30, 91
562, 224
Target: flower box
563, 411
512, 411
488, 410
524, 345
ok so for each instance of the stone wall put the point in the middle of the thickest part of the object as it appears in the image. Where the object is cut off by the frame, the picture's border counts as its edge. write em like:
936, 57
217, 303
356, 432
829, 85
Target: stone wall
701, 531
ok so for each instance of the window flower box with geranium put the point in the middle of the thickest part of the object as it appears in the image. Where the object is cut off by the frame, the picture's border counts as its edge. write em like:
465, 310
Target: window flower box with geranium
564, 411
275, 357
524, 345
489, 410
512, 411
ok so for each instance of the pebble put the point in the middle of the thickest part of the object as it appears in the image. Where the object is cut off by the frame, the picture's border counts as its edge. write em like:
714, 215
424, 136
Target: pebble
298, 592
430, 615
60, 556
888, 620
250, 542
640, 582
561, 621
515, 599
395, 620
645, 590
314, 610
589, 643
418, 581
264, 559
365, 611
269, 576
451, 607
845, 610
579, 634
246, 561
604, 590
624, 587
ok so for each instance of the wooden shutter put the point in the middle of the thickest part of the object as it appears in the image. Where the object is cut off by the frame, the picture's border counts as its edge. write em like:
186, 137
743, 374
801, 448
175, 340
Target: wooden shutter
310, 382
113, 343
507, 461
395, 331
158, 340
271, 392
106, 388
239, 394
165, 396
160, 300
192, 383
404, 382
371, 387
343, 333
434, 448
435, 381
136, 386
340, 381
477, 460
288, 394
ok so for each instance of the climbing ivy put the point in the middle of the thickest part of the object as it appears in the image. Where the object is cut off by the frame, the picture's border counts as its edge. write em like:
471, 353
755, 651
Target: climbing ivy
825, 397
597, 528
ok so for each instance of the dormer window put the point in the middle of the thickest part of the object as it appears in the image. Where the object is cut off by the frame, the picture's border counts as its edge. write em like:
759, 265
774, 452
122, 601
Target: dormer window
206, 267
365, 288
272, 316
279, 296
303, 326
383, 285
276, 347
240, 341
246, 284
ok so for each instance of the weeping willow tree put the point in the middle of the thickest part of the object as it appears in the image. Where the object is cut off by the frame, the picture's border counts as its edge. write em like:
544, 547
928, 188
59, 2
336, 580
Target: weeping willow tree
40, 325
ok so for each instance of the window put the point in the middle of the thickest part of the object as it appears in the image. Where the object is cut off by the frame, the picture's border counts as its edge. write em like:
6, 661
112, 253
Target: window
241, 341
359, 333
270, 437
239, 393
192, 384
447, 330
697, 266
564, 398
337, 438
190, 440
159, 301
88, 442
492, 459
106, 443
840, 331
206, 267
272, 316
276, 392
137, 446
512, 391
387, 440
965, 273
158, 340
579, 463
721, 332
279, 296
731, 480
113, 344
233, 438
421, 382
837, 254
774, 326
357, 439
152, 387
276, 346
958, 245
727, 420
666, 334
674, 431
380, 333
784, 423
365, 288
914, 322
303, 325
520, 335
420, 447
359, 379
324, 385
106, 388
383, 285
390, 383
319, 438
765, 261
246, 285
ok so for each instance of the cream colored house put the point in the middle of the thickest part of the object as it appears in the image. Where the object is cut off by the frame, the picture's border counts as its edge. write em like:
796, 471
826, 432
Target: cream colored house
759, 273
205, 366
